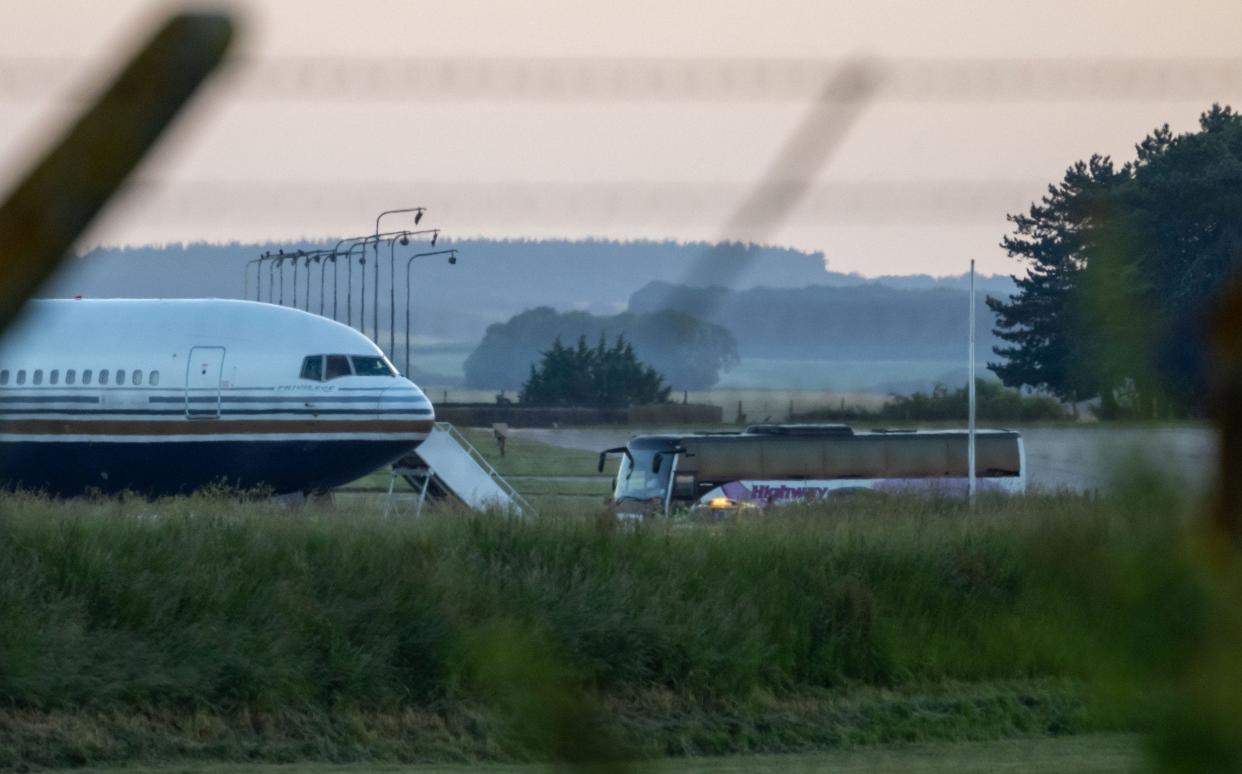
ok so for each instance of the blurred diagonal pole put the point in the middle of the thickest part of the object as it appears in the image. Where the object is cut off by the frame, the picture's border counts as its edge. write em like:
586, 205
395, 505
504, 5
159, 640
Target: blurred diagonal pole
1226, 337
58, 199
786, 181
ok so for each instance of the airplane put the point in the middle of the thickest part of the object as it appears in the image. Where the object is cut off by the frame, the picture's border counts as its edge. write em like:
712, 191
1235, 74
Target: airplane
163, 397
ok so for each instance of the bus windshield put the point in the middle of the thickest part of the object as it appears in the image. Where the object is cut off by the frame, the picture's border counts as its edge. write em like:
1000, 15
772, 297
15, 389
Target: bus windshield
635, 481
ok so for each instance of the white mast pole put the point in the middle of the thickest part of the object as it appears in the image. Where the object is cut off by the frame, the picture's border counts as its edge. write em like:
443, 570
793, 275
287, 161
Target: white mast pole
970, 391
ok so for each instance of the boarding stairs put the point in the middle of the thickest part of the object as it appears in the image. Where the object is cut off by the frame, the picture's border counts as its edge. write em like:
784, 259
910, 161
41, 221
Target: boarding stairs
447, 466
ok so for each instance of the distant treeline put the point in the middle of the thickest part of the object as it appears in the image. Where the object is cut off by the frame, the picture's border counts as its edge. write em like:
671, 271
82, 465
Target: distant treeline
493, 279
994, 403
864, 322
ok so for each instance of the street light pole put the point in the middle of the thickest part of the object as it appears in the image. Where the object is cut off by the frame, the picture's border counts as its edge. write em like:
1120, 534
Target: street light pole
971, 483
362, 296
295, 278
246, 279
452, 254
258, 285
308, 279
361, 242
336, 296
404, 238
271, 279
323, 265
418, 216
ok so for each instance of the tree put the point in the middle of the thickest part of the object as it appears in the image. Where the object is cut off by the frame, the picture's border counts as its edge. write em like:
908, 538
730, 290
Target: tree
1042, 323
688, 352
599, 376
1123, 264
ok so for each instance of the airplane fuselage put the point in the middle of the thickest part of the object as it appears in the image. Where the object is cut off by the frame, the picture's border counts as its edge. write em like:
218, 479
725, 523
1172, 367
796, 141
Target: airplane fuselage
168, 396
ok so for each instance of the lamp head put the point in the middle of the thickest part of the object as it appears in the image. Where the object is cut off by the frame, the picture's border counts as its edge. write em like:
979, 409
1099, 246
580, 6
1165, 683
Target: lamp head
405, 240
418, 216
434, 236
452, 258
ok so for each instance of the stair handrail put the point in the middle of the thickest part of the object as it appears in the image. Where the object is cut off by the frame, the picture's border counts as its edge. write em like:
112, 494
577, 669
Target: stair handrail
524, 506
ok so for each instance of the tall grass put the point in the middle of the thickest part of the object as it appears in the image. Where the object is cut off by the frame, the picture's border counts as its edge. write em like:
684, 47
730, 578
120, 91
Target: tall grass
211, 607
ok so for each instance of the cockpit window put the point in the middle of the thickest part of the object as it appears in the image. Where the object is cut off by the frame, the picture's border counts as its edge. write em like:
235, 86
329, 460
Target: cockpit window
312, 368
337, 366
323, 368
365, 365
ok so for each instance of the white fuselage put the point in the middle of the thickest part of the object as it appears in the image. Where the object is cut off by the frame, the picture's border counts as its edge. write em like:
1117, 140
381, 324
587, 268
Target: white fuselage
164, 396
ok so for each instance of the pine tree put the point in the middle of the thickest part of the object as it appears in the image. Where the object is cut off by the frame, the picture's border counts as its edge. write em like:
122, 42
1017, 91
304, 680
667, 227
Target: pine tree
1043, 323
593, 376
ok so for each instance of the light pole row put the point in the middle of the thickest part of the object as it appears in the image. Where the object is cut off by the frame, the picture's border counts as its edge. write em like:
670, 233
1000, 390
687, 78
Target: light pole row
345, 252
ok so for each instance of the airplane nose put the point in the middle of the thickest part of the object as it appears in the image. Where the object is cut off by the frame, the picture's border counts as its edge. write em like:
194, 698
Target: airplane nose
406, 399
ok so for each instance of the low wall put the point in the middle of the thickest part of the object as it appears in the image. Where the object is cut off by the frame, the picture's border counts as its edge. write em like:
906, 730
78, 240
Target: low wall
517, 415
676, 414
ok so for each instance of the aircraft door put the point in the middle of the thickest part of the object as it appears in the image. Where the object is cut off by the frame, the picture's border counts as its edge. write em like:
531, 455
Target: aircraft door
202, 382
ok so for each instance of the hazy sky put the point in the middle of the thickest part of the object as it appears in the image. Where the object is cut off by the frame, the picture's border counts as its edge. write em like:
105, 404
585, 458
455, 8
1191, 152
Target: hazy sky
920, 182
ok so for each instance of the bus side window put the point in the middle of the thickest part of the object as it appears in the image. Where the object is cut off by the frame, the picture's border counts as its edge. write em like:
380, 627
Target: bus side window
70, 376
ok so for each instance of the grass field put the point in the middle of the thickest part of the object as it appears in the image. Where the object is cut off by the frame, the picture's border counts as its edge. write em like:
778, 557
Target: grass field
1086, 754
214, 629
548, 476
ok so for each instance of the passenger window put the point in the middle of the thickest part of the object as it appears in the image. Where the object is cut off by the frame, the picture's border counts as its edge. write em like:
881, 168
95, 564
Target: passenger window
4, 376
70, 376
38, 376
21, 376
54, 377
137, 378
154, 378
103, 376
86, 376
337, 366
120, 376
312, 368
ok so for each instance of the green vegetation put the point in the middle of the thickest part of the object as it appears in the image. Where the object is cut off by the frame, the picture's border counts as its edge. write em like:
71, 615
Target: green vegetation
599, 376
1085, 754
524, 457
995, 403
688, 352
1124, 263
216, 629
